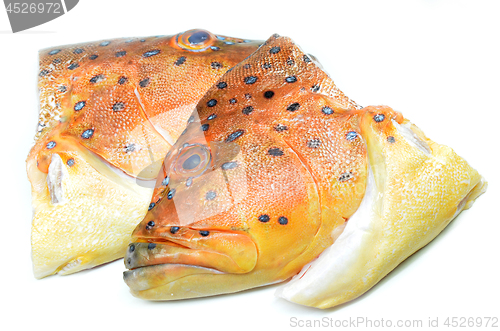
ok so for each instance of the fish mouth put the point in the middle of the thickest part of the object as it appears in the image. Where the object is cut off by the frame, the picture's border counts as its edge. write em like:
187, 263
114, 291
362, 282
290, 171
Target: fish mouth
157, 265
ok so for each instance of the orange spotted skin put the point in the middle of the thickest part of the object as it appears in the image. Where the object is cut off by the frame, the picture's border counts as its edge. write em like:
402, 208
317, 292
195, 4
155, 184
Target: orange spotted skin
127, 100
271, 162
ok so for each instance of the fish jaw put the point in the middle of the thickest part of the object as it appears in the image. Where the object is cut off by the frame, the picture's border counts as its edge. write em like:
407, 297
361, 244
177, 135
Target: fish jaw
416, 187
158, 264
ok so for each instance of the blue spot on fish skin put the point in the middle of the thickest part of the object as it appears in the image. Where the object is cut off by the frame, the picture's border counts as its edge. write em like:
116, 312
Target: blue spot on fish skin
291, 79
379, 117
220, 38
268, 94
293, 107
327, 110
122, 80
174, 229
346, 176
97, 78
120, 54
283, 220
211, 102
171, 194
151, 53
93, 56
221, 85
351, 135
198, 37
235, 135
105, 43
214, 48
210, 195
88, 133
275, 50
216, 65
247, 110
70, 162
250, 79
54, 52
144, 82
78, 51
44, 72
151, 246
51, 144
180, 61
229, 43
211, 117
73, 66
79, 105
119, 106
275, 151
165, 181
151, 205
264, 218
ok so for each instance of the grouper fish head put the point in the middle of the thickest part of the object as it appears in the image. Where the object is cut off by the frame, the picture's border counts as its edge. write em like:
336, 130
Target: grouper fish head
270, 165
109, 112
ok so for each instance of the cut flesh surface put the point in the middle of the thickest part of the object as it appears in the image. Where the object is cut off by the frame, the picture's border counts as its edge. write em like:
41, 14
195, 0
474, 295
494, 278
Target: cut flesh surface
415, 188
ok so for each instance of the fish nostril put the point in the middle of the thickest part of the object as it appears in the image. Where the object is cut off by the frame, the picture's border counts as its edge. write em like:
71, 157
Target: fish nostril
150, 225
174, 229
204, 233
129, 261
131, 248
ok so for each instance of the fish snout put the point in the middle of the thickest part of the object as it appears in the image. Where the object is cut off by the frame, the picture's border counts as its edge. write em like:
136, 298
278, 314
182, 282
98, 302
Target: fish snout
228, 252
186, 251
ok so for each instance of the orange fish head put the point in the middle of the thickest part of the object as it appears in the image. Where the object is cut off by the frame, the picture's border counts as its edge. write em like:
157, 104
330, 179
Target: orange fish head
238, 202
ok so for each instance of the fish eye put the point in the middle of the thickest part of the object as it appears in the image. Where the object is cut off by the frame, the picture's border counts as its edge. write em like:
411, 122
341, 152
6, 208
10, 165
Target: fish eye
193, 160
195, 40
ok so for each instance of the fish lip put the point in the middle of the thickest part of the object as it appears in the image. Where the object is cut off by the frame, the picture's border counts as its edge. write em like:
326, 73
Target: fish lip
225, 251
137, 279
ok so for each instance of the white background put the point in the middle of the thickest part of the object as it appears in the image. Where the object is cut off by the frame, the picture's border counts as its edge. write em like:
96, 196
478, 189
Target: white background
435, 61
